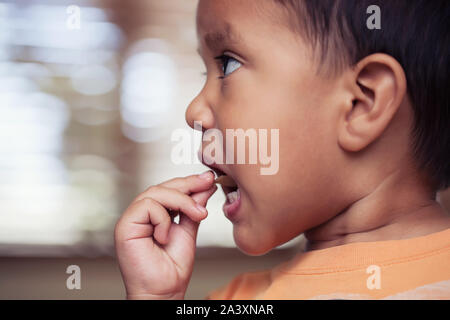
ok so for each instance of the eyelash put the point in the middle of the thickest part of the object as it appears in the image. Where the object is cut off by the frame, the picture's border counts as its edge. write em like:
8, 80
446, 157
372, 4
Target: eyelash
223, 61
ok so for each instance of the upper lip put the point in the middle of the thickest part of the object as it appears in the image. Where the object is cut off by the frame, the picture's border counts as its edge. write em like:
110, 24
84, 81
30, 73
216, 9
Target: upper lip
214, 166
218, 170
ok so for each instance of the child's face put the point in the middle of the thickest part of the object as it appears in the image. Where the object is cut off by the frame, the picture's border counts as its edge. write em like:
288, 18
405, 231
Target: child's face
271, 83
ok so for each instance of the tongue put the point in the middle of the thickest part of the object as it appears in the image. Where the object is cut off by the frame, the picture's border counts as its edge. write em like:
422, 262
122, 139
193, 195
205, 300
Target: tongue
225, 181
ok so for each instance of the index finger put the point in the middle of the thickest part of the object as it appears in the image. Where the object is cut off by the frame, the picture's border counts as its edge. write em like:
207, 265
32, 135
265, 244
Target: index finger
190, 184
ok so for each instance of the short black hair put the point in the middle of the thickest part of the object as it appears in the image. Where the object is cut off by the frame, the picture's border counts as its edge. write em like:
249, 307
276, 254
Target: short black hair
414, 32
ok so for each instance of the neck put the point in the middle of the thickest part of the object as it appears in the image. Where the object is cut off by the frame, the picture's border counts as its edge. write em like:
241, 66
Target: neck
400, 207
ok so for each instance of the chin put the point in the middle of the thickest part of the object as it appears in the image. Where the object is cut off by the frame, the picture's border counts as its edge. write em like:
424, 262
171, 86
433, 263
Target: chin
249, 246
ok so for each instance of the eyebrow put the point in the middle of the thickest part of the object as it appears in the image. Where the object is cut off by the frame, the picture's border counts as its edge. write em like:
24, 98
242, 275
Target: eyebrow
216, 39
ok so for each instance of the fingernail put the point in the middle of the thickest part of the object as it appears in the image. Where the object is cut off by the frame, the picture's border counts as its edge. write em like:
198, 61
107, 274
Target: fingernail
206, 175
201, 208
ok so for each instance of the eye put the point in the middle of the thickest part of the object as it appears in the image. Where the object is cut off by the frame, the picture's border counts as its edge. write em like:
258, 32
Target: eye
228, 65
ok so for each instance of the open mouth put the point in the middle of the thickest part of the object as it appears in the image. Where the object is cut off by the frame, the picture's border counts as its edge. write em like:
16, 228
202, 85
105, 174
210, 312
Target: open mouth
229, 186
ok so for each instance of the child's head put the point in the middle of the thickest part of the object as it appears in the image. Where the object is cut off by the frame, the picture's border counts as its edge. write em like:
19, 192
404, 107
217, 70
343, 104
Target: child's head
355, 107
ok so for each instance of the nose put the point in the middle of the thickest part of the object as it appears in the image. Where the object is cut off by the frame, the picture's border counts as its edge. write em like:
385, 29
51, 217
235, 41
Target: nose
200, 110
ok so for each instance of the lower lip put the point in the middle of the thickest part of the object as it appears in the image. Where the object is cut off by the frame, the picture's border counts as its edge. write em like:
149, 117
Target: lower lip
231, 209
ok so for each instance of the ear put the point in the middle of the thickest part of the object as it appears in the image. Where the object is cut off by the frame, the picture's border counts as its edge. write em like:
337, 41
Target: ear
378, 87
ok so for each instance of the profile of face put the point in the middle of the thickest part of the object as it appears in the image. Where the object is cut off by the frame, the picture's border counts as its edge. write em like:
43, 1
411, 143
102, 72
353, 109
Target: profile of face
262, 75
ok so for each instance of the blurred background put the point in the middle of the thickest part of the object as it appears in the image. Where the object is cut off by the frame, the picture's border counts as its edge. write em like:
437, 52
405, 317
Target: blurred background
90, 93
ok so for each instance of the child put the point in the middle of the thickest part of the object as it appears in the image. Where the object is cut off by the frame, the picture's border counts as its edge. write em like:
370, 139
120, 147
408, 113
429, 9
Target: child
364, 145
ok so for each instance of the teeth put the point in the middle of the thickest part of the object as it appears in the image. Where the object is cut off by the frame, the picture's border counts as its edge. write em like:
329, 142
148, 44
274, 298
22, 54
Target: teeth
233, 196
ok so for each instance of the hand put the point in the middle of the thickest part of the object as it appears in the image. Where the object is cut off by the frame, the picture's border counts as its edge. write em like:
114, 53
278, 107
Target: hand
156, 255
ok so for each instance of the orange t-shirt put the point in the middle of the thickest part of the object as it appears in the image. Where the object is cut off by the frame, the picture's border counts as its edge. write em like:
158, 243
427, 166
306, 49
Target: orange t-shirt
416, 268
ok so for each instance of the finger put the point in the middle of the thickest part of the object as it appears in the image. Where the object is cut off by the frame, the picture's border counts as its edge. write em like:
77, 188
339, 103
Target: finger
191, 184
143, 219
176, 201
190, 226
202, 197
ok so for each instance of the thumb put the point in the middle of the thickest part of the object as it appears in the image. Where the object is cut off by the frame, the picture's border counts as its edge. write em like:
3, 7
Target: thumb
201, 198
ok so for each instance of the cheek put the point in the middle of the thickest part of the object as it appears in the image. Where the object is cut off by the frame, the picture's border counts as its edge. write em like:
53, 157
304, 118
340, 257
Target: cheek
283, 202
291, 195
